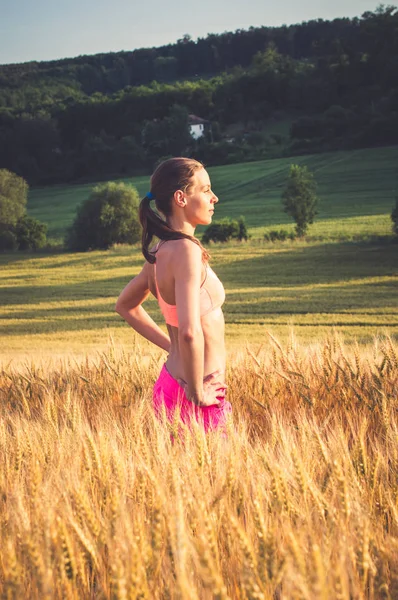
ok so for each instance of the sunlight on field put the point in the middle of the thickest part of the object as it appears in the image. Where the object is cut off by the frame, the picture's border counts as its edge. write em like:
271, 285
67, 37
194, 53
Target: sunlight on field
298, 501
345, 229
64, 303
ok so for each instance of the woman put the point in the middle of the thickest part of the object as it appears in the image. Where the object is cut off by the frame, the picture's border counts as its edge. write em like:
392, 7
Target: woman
189, 293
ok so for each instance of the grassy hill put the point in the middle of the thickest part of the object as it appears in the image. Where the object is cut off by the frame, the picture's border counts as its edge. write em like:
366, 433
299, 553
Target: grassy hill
356, 190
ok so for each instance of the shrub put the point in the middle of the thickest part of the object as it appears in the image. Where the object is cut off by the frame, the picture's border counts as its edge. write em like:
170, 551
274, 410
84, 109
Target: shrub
221, 153
226, 229
394, 217
255, 138
307, 127
242, 229
277, 138
8, 240
109, 216
279, 235
31, 234
299, 198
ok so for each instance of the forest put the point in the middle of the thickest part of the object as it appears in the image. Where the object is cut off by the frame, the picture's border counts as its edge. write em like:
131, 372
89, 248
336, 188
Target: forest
116, 114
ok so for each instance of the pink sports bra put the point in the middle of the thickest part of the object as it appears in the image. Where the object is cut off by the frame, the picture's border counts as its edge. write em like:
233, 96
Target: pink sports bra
212, 296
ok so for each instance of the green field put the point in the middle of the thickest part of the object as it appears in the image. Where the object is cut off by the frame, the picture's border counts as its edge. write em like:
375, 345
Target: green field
343, 278
356, 189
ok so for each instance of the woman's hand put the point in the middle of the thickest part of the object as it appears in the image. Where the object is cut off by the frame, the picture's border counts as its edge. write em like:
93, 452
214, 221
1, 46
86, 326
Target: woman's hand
213, 390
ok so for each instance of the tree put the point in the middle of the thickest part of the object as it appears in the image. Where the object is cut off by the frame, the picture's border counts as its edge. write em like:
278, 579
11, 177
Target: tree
170, 135
109, 216
13, 198
299, 198
17, 230
394, 217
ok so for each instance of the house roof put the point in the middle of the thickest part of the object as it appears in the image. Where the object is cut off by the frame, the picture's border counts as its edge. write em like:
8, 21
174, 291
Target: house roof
194, 120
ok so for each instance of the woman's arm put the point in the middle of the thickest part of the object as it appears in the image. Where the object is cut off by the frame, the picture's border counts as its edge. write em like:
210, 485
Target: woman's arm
129, 307
187, 273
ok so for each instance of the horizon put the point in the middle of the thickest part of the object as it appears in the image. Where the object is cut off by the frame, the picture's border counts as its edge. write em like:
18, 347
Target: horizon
23, 42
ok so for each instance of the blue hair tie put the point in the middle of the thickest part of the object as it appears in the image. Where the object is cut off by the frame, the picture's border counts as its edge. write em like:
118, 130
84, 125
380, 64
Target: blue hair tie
150, 196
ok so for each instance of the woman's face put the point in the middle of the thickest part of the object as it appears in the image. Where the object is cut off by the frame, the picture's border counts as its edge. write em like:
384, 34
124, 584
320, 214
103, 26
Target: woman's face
200, 200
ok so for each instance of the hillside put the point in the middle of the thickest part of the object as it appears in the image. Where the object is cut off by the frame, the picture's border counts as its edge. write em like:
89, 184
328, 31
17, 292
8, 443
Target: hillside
356, 189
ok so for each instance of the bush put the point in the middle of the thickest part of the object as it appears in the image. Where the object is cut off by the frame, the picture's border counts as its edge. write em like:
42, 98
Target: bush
243, 234
31, 234
279, 235
277, 138
8, 240
394, 217
221, 153
226, 229
299, 198
109, 216
307, 127
255, 138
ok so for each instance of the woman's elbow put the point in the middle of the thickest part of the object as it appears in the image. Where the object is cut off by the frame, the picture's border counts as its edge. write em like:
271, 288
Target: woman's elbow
190, 334
125, 310
118, 307
121, 308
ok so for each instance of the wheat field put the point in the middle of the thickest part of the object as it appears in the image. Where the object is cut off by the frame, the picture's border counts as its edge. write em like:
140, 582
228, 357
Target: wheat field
100, 500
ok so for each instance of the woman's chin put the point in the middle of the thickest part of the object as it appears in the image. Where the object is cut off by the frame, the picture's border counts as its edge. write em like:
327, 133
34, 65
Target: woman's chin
205, 221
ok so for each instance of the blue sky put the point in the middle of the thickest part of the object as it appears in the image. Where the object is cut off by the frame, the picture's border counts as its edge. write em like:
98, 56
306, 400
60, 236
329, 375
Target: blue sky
50, 29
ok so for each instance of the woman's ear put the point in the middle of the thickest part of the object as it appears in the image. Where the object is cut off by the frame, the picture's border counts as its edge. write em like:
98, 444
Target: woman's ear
179, 198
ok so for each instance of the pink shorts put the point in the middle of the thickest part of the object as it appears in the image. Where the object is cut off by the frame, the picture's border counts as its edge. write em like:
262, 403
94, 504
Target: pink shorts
168, 395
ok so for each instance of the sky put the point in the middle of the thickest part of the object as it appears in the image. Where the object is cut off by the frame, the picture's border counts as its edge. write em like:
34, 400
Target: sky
53, 29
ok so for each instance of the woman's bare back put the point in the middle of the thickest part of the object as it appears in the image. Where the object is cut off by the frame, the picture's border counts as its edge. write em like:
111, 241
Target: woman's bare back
161, 282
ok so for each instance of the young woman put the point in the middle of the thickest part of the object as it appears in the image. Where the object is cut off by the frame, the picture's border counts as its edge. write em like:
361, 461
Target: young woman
189, 293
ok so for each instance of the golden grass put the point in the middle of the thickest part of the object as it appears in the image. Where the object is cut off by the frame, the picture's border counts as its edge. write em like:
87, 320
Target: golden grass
300, 501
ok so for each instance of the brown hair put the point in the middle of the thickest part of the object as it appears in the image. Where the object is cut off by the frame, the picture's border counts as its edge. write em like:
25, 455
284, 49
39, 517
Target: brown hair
171, 175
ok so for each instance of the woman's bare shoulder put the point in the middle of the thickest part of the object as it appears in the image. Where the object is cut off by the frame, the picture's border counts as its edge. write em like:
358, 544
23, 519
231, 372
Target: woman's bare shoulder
179, 252
187, 247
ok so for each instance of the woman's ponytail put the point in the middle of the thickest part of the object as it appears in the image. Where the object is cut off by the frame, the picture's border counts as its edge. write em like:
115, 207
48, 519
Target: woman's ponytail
153, 225
146, 216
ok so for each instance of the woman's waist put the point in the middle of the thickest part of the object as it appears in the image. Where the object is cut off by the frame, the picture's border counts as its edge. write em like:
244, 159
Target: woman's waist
213, 364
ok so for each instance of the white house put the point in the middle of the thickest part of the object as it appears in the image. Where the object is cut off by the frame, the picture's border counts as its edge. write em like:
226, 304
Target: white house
197, 126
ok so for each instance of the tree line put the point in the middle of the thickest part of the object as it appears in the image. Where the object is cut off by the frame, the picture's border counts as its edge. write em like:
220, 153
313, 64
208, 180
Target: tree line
29, 85
119, 113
